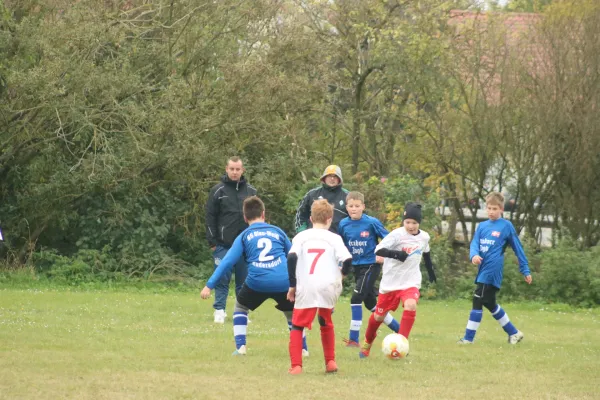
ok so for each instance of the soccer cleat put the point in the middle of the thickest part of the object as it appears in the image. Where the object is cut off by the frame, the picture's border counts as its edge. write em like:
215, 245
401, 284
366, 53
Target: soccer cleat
365, 351
331, 367
240, 352
516, 338
350, 343
296, 370
219, 316
304, 353
464, 341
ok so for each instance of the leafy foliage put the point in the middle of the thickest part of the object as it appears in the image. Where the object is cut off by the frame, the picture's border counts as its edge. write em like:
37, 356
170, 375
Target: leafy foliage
116, 117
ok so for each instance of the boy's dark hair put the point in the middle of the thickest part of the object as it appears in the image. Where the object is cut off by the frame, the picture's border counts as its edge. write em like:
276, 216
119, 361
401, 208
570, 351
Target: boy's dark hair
355, 196
253, 208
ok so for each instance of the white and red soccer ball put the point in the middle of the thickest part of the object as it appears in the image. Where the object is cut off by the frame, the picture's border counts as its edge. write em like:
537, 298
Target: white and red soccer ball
395, 346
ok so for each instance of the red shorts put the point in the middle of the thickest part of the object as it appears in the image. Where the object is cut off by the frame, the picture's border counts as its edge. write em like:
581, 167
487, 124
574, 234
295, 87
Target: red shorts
390, 301
304, 317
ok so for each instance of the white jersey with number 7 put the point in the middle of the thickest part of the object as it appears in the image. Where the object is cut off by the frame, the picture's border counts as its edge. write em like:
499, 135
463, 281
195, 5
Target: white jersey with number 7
318, 275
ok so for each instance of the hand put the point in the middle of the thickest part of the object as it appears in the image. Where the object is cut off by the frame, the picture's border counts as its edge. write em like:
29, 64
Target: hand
291, 295
205, 293
476, 260
378, 259
401, 256
528, 279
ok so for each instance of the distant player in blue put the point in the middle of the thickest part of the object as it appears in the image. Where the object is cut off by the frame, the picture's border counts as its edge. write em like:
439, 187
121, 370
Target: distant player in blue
361, 234
487, 251
265, 248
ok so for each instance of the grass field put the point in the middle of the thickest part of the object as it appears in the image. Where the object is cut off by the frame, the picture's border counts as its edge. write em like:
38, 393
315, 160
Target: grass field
57, 344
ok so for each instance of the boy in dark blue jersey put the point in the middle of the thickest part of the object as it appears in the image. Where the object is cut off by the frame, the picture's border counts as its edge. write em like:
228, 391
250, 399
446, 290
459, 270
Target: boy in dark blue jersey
487, 251
265, 248
360, 233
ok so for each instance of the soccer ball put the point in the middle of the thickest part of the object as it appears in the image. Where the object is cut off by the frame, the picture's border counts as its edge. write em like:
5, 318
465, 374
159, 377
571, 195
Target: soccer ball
395, 346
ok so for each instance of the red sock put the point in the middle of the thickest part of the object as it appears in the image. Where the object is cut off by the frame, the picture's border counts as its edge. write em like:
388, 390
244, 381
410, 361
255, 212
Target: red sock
408, 319
296, 347
328, 341
371, 333
327, 335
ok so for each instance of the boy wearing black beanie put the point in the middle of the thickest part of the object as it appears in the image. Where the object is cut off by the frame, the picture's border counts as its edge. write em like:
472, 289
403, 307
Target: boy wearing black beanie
402, 250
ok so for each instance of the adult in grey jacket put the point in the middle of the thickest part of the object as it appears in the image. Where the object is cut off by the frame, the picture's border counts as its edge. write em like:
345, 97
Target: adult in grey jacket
332, 191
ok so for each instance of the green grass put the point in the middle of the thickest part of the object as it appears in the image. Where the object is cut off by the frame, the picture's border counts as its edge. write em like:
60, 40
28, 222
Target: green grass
56, 343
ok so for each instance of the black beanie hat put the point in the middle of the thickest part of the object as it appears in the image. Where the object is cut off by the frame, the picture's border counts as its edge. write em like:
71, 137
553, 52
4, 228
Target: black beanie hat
412, 211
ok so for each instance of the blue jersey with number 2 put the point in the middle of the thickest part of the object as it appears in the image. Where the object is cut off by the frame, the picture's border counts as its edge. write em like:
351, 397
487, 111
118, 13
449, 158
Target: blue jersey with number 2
265, 248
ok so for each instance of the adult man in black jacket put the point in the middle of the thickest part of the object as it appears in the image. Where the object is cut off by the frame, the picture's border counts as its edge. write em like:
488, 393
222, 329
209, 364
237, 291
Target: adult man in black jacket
332, 191
224, 222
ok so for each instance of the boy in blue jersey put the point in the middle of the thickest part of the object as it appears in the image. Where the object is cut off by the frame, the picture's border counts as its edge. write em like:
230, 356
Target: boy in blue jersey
487, 251
360, 233
265, 248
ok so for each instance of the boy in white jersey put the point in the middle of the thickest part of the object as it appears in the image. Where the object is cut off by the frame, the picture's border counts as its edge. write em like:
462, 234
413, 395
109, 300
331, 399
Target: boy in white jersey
402, 250
316, 283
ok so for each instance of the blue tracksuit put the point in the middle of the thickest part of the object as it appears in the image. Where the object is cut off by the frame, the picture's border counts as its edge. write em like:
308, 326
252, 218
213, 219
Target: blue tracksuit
489, 242
361, 237
265, 248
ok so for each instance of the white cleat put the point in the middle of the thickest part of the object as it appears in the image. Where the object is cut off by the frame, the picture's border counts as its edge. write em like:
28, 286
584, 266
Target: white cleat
304, 353
220, 316
241, 351
464, 341
516, 338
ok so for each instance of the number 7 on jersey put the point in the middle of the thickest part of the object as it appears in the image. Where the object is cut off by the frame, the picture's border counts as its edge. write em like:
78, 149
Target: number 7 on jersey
319, 253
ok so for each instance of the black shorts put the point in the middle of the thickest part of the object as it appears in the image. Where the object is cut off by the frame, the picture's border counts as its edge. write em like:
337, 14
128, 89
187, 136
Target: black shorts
485, 294
365, 277
252, 299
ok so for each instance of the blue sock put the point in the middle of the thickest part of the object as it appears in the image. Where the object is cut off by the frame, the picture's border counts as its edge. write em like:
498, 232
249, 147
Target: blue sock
473, 324
240, 326
503, 320
390, 321
304, 345
356, 322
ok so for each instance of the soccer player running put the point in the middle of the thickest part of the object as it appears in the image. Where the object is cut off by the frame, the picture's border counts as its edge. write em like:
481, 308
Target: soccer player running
316, 283
403, 250
361, 233
265, 248
487, 251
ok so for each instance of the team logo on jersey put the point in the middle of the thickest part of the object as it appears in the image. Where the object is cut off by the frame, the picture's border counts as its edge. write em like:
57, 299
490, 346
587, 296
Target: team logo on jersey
411, 250
496, 234
341, 202
320, 197
217, 261
364, 234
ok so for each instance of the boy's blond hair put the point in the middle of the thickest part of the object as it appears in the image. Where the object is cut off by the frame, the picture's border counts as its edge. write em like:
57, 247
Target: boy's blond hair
495, 199
355, 196
321, 211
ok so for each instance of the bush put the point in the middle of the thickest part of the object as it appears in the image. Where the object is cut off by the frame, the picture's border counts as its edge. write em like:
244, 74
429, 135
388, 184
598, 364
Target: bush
570, 276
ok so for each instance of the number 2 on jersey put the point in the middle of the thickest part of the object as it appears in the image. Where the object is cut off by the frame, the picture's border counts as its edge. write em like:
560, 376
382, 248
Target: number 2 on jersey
266, 245
319, 253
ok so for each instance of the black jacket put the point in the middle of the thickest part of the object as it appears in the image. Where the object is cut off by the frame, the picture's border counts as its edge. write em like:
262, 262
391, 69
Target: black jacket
224, 211
336, 196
